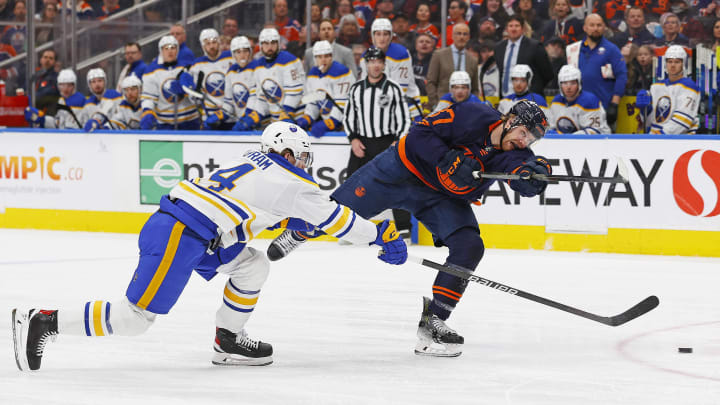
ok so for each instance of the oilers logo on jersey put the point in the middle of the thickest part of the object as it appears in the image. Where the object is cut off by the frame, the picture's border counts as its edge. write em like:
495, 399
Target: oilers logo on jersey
566, 125
167, 94
215, 84
241, 94
272, 90
662, 111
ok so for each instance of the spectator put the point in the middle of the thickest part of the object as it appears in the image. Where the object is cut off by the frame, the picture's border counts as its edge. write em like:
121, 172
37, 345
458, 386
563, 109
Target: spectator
108, 8
134, 65
459, 91
636, 32
8, 73
68, 96
349, 32
286, 26
603, 67
555, 48
456, 15
84, 10
384, 9
447, 60
486, 29
613, 11
421, 56
45, 78
185, 56
344, 7
423, 25
636, 78
14, 35
341, 54
494, 9
526, 10
714, 41
6, 10
562, 25
401, 33
575, 110
671, 32
230, 28
519, 49
48, 15
521, 77
364, 9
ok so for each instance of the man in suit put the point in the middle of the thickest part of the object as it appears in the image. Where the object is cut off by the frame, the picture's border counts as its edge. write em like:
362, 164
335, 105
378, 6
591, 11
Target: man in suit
449, 59
518, 49
341, 54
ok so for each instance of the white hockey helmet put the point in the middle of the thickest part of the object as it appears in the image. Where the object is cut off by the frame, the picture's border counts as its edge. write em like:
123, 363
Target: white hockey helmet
268, 35
281, 135
240, 43
208, 33
676, 52
131, 81
459, 78
522, 72
96, 73
167, 40
66, 76
381, 24
569, 73
322, 48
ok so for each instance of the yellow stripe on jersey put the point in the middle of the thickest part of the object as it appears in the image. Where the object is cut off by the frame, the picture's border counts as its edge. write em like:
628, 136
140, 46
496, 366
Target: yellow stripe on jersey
164, 266
340, 224
682, 119
97, 318
210, 201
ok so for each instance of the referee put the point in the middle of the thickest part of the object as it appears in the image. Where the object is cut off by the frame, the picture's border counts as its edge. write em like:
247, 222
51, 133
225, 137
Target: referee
376, 116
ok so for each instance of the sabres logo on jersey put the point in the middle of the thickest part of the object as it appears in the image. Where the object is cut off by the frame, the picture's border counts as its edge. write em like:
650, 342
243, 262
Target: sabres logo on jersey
490, 90
215, 84
240, 94
134, 124
566, 126
662, 110
272, 90
167, 94
325, 104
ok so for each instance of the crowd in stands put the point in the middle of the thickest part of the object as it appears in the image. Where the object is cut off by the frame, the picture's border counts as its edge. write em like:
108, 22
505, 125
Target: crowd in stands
611, 42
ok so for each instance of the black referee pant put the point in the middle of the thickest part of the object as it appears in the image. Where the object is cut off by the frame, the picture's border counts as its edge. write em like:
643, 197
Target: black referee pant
373, 147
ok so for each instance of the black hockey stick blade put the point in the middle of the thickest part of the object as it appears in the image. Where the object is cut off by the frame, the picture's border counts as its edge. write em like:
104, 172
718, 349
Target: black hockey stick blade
643, 307
69, 109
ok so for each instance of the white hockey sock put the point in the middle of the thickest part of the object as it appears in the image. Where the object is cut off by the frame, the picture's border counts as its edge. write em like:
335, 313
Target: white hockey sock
238, 303
104, 318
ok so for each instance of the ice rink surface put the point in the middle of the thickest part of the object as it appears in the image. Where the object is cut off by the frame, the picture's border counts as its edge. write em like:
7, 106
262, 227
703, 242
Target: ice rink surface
342, 325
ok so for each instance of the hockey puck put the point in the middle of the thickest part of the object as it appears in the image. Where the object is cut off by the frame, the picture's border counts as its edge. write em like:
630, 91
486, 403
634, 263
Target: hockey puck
685, 350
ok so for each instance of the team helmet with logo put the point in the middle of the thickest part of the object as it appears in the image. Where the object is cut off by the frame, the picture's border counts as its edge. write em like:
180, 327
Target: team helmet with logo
67, 76
322, 48
569, 73
381, 24
529, 115
240, 43
459, 78
282, 135
522, 72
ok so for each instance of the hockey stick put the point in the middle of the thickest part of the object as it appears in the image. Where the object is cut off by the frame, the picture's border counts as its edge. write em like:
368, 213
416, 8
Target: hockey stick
417, 106
639, 309
204, 98
620, 177
67, 108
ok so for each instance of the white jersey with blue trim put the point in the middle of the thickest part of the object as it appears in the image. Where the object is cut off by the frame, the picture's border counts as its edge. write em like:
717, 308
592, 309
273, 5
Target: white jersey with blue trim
213, 85
447, 100
282, 80
127, 116
674, 107
585, 115
260, 190
63, 119
240, 90
157, 96
100, 108
507, 102
398, 67
336, 83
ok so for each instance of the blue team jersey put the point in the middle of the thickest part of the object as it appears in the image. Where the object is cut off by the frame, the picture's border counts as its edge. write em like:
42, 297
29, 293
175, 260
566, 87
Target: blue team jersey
336, 70
111, 94
460, 126
586, 100
76, 101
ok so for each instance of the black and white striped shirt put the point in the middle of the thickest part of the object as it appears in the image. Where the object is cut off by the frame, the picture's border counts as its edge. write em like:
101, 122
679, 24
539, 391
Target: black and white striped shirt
376, 110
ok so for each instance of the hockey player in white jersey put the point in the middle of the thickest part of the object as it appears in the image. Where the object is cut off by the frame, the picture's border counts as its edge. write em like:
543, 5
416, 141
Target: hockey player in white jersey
205, 225
280, 78
328, 83
459, 91
211, 69
672, 103
521, 76
240, 90
101, 102
164, 102
129, 112
398, 64
575, 111
70, 99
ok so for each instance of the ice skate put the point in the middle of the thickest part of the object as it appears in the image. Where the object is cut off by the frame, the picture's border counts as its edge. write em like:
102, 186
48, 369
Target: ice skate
233, 349
434, 337
31, 331
284, 244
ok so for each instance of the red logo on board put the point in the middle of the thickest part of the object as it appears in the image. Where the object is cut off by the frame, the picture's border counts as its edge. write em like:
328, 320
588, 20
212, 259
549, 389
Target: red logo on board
687, 196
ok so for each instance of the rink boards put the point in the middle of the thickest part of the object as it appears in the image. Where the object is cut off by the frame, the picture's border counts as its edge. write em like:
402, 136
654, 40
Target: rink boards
111, 182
